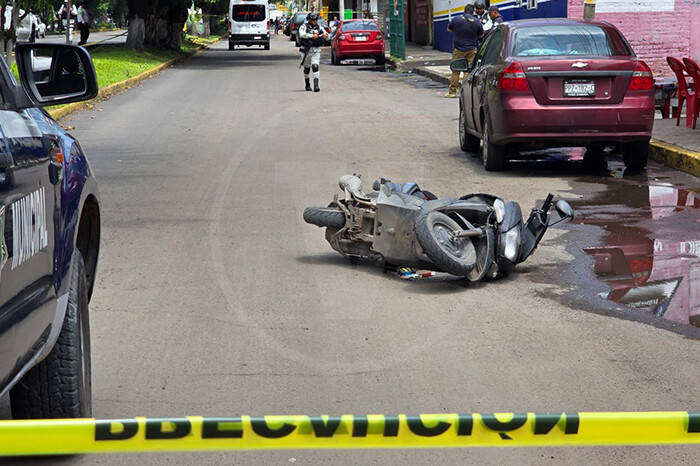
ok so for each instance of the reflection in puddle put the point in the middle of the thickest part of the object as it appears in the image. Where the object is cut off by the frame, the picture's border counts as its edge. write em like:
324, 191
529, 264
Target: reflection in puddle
650, 251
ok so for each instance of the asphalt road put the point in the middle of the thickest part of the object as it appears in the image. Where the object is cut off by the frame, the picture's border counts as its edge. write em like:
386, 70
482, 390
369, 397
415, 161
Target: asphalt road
213, 296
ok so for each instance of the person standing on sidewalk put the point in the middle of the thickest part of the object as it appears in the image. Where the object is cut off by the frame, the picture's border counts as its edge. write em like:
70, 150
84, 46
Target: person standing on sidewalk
467, 32
83, 23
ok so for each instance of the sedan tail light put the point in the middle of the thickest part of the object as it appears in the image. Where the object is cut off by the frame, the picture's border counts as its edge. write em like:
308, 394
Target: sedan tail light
642, 79
513, 79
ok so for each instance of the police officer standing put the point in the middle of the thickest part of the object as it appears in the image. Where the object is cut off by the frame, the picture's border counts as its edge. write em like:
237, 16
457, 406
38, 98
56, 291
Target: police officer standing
480, 11
467, 32
312, 37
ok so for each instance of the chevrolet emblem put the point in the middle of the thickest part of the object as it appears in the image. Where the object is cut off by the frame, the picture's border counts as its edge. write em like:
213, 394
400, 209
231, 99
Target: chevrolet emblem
579, 64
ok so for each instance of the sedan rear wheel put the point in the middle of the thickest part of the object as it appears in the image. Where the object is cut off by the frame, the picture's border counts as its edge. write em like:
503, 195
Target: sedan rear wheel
494, 157
334, 59
467, 142
635, 155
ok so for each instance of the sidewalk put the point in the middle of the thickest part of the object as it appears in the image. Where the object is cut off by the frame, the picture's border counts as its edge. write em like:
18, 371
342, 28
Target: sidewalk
675, 146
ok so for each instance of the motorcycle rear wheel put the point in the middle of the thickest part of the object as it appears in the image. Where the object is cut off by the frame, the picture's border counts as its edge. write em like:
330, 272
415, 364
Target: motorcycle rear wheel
456, 256
329, 217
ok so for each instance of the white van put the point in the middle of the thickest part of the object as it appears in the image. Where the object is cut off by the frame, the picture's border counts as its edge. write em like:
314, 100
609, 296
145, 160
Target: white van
248, 23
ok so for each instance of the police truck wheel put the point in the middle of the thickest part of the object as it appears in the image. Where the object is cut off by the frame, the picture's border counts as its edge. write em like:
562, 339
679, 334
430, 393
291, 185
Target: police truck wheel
60, 385
231, 46
329, 217
467, 142
267, 46
453, 255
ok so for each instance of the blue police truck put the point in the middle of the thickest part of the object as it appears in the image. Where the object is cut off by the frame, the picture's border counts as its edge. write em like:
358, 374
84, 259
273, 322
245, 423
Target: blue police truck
50, 219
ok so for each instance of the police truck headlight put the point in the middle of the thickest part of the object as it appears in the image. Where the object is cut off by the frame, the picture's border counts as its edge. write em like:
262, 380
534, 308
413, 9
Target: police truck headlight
500, 207
511, 240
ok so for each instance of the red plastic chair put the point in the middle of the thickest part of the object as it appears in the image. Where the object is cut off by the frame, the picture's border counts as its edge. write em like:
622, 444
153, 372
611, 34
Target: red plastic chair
683, 92
694, 72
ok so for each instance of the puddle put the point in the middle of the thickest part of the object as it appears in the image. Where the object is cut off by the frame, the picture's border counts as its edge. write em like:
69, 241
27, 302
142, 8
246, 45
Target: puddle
649, 253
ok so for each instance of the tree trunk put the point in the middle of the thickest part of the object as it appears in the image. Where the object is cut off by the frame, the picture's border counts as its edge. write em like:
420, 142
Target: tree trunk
162, 23
137, 33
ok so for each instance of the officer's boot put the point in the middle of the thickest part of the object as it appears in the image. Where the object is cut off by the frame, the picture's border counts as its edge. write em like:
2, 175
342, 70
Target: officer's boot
308, 84
316, 88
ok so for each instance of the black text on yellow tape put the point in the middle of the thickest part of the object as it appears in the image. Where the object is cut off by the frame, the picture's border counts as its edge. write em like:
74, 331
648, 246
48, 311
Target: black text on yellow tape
195, 433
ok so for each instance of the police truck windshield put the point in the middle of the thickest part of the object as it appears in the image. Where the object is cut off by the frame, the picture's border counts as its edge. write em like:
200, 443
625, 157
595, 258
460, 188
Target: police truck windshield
247, 13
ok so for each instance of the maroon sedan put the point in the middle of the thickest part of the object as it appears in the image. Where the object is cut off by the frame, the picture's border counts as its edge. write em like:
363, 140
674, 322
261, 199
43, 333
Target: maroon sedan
358, 38
555, 83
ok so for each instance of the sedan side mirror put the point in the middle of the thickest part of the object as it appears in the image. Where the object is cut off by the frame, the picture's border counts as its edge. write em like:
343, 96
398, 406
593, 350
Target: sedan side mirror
461, 64
54, 74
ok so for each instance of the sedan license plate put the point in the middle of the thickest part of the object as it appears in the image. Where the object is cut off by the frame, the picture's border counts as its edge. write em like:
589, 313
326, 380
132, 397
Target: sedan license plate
257, 37
579, 88
360, 38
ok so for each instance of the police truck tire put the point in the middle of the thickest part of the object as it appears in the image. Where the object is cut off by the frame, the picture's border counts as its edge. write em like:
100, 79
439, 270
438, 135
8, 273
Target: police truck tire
231, 46
60, 385
329, 217
456, 256
267, 46
467, 142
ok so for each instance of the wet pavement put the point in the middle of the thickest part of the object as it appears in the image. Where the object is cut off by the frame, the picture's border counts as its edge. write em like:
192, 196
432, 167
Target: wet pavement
635, 239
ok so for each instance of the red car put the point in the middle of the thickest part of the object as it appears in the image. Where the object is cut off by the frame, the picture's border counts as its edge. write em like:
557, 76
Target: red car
555, 83
358, 38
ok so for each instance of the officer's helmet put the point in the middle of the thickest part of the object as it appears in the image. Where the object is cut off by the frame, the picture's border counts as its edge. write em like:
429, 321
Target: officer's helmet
479, 4
313, 16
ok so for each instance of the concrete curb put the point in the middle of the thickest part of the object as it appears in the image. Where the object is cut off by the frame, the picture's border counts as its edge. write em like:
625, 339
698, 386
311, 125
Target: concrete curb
116, 87
437, 77
675, 156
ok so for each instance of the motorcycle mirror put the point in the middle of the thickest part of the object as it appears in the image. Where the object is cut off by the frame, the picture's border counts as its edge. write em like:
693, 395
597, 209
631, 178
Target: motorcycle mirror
564, 209
376, 186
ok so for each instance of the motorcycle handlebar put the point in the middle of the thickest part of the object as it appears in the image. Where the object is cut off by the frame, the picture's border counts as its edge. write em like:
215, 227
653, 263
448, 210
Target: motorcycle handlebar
547, 203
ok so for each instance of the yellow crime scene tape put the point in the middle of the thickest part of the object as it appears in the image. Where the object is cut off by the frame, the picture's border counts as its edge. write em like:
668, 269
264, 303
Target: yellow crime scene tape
196, 433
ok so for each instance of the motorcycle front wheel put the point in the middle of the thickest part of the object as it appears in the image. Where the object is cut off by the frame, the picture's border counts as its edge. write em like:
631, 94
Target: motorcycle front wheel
329, 217
453, 255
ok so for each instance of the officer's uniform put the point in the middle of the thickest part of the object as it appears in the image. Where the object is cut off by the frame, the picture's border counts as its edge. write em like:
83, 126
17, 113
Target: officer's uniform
313, 57
483, 17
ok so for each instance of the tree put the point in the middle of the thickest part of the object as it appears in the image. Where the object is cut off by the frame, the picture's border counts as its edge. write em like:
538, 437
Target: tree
211, 9
156, 23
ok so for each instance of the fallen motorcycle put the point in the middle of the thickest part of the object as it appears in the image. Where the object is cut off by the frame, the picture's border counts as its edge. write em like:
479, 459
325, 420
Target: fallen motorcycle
398, 224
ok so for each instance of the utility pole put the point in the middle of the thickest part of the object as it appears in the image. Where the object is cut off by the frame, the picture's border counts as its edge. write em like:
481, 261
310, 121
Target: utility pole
68, 29
589, 9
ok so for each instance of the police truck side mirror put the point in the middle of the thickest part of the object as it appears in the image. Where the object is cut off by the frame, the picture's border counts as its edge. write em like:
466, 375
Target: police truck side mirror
54, 74
461, 64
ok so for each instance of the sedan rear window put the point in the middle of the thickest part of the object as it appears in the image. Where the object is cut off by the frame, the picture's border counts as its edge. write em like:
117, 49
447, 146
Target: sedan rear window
247, 13
583, 39
360, 26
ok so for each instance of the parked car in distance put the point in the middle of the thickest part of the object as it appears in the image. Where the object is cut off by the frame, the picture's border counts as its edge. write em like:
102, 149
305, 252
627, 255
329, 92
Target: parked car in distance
358, 38
543, 83
49, 247
27, 29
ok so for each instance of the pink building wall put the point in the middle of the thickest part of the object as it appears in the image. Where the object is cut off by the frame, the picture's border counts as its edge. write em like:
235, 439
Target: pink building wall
653, 35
